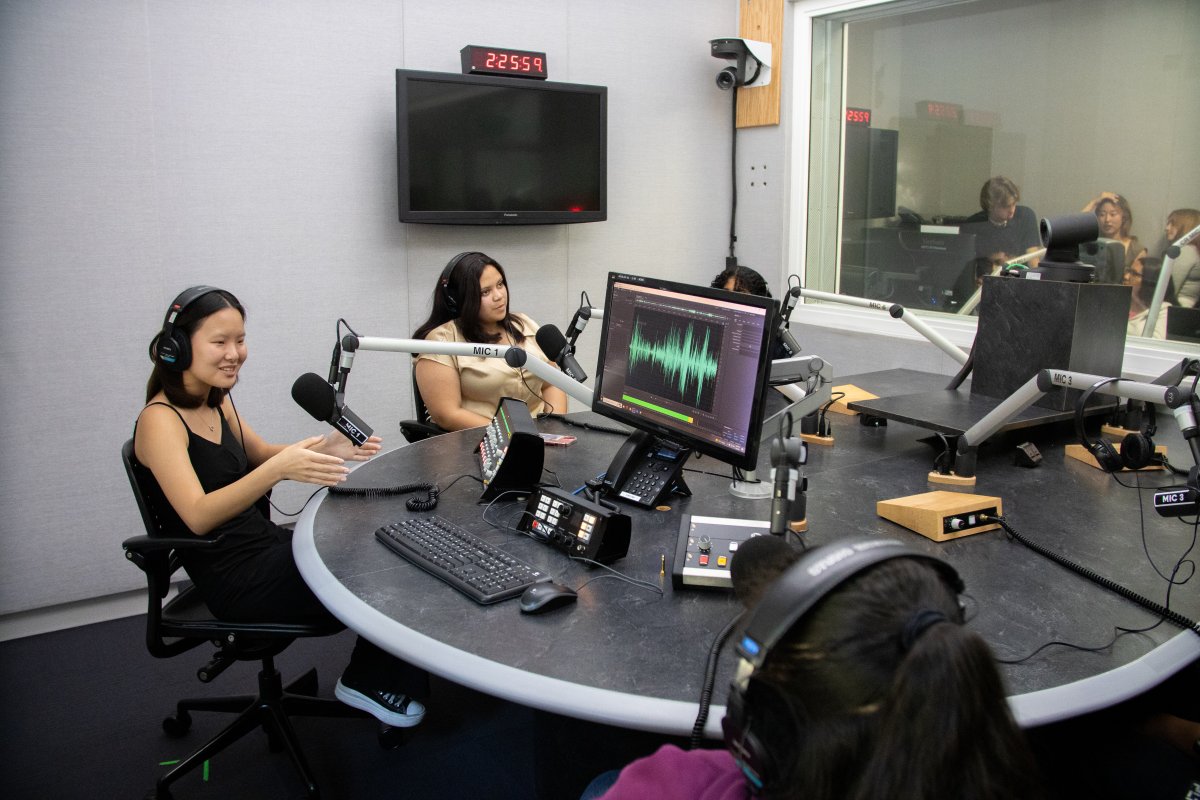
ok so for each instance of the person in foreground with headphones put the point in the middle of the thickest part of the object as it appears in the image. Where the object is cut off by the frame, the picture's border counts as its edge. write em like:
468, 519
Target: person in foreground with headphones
470, 304
856, 679
216, 472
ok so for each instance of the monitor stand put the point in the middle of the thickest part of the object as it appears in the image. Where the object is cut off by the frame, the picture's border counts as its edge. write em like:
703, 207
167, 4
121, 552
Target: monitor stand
751, 488
646, 469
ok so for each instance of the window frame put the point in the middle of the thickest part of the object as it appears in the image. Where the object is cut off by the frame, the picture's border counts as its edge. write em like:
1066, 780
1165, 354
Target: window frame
815, 183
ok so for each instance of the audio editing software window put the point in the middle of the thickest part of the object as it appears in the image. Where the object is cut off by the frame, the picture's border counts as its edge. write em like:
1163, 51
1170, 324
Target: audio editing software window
685, 362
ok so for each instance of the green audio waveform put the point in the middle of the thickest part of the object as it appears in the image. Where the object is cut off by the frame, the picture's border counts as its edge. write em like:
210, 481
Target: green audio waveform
681, 358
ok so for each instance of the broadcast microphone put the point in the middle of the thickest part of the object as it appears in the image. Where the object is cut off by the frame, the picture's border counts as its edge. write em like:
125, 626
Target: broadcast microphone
757, 563
578, 323
312, 393
787, 455
554, 345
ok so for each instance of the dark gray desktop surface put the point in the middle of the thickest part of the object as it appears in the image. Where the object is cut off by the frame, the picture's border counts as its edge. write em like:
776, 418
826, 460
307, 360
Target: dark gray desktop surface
950, 411
624, 655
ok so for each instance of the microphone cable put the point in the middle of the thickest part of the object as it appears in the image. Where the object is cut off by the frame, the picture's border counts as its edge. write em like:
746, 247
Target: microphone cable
586, 425
1162, 611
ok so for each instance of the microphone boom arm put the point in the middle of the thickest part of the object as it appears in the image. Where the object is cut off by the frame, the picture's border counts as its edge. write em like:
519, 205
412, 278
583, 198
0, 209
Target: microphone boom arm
548, 373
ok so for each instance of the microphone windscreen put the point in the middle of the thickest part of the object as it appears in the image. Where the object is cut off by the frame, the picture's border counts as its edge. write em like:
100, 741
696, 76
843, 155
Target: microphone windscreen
551, 340
757, 563
312, 393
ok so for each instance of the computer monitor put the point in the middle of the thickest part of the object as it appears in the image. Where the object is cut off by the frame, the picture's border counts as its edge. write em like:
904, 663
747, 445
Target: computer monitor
686, 366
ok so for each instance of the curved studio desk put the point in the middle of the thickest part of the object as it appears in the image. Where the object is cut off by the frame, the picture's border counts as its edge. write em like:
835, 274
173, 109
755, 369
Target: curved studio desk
626, 656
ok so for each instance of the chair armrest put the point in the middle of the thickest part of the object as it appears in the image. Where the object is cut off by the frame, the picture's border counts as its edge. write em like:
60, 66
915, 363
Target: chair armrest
415, 430
153, 544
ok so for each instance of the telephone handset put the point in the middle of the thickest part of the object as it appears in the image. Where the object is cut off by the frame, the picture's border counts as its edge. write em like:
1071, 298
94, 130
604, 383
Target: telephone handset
645, 469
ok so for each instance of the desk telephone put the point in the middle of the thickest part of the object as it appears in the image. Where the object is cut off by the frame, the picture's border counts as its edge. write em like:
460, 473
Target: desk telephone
646, 469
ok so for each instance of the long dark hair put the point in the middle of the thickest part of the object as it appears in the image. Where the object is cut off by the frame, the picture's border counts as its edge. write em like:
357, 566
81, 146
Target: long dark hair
170, 382
463, 285
850, 712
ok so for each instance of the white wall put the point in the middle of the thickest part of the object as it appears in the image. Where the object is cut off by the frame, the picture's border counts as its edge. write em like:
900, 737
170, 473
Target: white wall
147, 146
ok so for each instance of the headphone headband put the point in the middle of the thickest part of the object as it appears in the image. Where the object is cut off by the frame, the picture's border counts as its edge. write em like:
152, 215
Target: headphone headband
814, 575
453, 304
1137, 449
170, 348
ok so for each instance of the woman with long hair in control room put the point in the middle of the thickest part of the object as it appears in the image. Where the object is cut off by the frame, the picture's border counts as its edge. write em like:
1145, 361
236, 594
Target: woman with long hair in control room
216, 472
471, 304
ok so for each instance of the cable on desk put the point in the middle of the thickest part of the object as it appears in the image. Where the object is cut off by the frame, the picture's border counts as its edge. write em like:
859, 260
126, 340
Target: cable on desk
428, 503
612, 573
1097, 578
589, 426
710, 677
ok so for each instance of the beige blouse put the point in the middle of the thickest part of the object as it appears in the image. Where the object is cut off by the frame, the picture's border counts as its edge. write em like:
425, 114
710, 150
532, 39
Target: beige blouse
484, 381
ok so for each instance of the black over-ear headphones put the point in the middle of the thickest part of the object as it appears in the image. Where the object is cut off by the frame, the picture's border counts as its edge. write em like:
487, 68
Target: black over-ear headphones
1137, 449
453, 304
802, 586
172, 348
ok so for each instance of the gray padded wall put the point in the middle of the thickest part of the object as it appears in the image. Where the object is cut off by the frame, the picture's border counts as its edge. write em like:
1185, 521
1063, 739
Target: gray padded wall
148, 146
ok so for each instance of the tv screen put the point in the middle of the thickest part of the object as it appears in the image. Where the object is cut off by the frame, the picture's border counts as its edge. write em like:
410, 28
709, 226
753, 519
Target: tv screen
486, 150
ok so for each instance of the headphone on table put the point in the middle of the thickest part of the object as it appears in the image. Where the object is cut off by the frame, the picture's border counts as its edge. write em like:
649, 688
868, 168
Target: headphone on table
171, 347
453, 303
1136, 449
801, 587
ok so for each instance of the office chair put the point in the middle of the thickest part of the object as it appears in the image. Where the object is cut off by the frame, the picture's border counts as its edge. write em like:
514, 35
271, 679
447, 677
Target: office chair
184, 622
415, 430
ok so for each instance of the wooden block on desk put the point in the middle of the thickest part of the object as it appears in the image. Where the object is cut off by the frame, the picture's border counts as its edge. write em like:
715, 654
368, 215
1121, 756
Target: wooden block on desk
1081, 454
929, 513
812, 438
951, 479
852, 393
1113, 430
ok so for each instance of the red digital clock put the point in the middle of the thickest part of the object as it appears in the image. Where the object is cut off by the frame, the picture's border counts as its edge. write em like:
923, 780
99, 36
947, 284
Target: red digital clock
478, 60
858, 116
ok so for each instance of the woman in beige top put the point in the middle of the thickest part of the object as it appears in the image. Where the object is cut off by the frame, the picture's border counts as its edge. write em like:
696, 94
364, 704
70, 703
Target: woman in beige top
470, 304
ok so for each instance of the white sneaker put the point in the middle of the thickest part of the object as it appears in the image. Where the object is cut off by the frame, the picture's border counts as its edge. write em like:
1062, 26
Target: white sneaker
390, 708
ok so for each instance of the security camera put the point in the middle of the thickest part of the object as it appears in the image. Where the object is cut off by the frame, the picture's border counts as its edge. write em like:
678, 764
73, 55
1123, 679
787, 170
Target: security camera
1062, 237
752, 62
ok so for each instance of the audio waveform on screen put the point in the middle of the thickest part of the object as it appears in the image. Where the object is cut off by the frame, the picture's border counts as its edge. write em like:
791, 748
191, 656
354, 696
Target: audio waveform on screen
674, 359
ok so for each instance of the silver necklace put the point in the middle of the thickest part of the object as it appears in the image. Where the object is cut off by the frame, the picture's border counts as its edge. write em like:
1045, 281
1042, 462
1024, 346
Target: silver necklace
213, 427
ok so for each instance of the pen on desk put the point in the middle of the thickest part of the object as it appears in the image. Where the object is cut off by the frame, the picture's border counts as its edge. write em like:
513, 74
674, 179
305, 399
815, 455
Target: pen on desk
662, 565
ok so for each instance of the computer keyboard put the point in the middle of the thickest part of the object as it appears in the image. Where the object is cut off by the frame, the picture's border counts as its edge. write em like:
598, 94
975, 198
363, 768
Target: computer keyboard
482, 572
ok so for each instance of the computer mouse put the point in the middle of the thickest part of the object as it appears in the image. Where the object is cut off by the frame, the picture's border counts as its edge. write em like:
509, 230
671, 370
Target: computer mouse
546, 596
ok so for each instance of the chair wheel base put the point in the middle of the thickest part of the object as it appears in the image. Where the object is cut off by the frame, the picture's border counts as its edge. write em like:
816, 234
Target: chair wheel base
392, 738
178, 724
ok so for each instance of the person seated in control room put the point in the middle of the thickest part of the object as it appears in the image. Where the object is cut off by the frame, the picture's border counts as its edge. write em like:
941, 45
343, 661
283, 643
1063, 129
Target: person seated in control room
878, 691
471, 304
1003, 229
215, 471
1185, 267
1115, 218
1143, 276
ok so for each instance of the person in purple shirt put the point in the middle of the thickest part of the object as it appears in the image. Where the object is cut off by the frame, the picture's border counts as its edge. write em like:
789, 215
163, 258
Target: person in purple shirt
876, 690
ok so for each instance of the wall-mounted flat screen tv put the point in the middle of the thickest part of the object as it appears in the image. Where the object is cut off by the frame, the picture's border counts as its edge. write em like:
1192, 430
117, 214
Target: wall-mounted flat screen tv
487, 150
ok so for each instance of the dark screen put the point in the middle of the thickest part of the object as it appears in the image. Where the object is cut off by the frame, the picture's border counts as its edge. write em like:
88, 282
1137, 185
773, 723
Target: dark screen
499, 150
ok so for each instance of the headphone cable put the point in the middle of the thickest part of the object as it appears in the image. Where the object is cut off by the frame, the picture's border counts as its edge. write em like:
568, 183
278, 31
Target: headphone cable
710, 678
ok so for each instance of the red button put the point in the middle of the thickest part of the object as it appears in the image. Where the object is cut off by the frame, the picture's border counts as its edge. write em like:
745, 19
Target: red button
703, 560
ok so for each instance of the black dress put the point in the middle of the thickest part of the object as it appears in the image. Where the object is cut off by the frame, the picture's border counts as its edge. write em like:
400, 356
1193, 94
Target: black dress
252, 575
